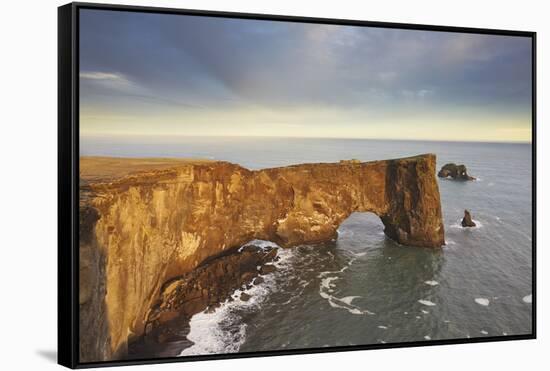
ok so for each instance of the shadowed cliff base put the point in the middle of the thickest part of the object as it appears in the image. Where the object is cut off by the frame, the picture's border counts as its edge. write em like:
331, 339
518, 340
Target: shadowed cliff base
204, 288
156, 222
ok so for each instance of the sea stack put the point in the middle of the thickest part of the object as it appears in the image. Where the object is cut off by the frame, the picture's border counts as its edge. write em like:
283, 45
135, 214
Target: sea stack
455, 172
467, 220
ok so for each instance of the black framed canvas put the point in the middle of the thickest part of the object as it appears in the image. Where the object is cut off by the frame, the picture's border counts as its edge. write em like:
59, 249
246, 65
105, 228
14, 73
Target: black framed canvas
242, 185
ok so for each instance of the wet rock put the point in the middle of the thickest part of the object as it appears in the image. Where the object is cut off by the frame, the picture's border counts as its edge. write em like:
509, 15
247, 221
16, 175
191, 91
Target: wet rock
467, 220
248, 276
266, 269
211, 309
245, 296
210, 284
454, 171
271, 255
258, 280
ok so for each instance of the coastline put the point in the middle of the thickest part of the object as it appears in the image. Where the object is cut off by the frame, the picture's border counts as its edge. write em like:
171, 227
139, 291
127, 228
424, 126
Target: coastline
246, 287
150, 221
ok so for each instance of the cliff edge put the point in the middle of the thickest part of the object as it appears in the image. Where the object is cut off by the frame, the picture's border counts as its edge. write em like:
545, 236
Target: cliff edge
140, 229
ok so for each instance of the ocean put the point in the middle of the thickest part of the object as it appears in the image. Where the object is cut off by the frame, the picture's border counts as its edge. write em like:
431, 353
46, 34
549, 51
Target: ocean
364, 288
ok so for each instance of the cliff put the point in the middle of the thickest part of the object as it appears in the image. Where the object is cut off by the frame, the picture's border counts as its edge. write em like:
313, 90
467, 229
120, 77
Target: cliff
143, 228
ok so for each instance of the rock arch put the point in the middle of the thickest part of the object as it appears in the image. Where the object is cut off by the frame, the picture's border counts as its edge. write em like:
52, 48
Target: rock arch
157, 224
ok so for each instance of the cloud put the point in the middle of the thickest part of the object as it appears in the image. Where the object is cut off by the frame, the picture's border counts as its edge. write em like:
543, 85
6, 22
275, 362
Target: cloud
115, 87
101, 76
131, 61
109, 81
283, 64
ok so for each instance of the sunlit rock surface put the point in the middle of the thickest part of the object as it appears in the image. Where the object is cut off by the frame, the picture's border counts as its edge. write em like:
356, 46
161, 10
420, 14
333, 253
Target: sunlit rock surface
144, 222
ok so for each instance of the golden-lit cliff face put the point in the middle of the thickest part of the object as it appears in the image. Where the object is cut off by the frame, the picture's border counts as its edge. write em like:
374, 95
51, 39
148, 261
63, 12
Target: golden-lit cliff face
140, 229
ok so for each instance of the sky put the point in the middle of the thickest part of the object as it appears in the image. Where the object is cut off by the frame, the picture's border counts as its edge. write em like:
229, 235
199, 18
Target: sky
145, 74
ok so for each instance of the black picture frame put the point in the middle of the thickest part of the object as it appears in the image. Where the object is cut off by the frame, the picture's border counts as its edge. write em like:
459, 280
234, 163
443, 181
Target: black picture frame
68, 181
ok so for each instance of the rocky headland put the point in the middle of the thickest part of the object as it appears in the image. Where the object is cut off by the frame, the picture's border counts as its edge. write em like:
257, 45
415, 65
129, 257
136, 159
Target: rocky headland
154, 239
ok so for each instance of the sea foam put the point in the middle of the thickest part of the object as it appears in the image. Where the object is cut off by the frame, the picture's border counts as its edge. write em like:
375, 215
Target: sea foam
427, 302
326, 288
458, 225
482, 301
259, 243
221, 331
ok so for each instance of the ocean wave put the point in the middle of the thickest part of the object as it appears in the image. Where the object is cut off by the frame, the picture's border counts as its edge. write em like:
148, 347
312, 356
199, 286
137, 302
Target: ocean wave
349, 299
458, 224
326, 283
263, 244
478, 223
482, 301
323, 274
334, 302
326, 288
209, 337
221, 331
357, 254
427, 303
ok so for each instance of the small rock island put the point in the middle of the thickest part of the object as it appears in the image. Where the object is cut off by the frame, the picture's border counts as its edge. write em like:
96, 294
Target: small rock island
467, 221
455, 172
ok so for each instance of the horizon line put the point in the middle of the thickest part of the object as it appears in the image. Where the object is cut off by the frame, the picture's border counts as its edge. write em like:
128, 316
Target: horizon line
312, 137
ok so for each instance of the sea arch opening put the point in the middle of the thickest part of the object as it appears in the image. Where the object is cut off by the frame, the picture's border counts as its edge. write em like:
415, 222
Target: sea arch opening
360, 229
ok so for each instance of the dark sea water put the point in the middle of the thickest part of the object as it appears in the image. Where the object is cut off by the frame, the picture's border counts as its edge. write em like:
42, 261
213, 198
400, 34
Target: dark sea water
364, 288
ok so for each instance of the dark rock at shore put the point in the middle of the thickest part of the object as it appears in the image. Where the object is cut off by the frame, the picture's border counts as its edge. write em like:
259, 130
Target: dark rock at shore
168, 341
266, 269
454, 171
245, 296
467, 220
207, 286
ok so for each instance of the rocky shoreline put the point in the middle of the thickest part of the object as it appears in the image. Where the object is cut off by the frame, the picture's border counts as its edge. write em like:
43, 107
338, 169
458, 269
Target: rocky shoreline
205, 288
